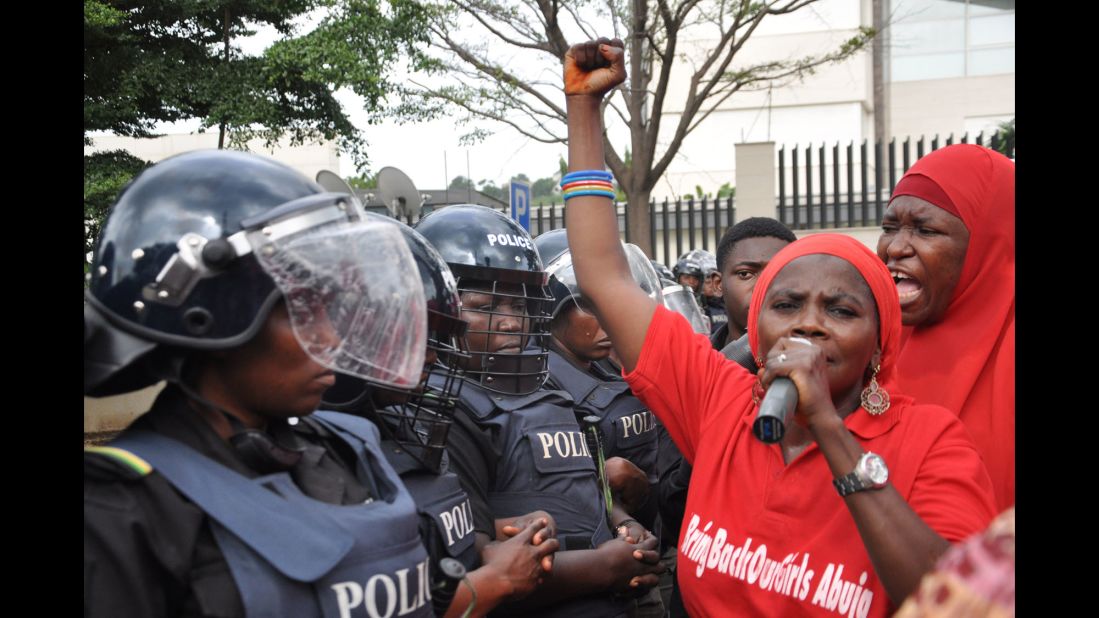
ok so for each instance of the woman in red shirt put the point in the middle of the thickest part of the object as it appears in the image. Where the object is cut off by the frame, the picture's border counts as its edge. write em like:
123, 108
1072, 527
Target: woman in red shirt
948, 238
866, 488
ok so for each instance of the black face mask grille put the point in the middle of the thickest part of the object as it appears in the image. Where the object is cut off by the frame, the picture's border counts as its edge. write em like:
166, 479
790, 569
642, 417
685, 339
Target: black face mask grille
519, 313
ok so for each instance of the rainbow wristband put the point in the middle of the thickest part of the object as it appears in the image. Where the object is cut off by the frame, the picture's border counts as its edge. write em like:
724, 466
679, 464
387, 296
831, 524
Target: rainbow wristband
598, 184
598, 192
586, 175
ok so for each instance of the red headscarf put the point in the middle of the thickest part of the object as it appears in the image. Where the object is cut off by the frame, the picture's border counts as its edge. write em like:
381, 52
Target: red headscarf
873, 271
966, 361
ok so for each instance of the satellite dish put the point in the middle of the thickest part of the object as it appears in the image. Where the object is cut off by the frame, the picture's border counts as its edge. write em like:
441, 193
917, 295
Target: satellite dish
331, 181
396, 191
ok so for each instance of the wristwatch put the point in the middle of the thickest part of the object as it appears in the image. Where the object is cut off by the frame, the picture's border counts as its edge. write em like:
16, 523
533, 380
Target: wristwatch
870, 473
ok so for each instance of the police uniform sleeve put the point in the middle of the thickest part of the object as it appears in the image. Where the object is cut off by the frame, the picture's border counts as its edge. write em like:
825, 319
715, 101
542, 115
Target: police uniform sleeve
675, 478
472, 461
684, 381
143, 549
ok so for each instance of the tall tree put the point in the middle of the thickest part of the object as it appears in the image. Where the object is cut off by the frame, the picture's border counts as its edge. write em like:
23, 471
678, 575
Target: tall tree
504, 57
164, 60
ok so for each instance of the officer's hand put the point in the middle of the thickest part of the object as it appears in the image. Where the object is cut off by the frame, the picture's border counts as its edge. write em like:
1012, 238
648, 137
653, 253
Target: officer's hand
629, 483
633, 532
518, 562
634, 567
594, 67
511, 528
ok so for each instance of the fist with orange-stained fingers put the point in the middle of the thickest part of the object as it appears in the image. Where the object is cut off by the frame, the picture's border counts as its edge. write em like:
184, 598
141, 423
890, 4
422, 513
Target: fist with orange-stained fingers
594, 67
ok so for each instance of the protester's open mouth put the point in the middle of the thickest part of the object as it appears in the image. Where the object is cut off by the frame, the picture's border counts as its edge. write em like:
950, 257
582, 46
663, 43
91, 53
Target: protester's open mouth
908, 287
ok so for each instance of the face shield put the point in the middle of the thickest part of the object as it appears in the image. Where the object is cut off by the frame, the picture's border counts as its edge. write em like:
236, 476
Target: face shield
643, 272
640, 268
419, 419
681, 299
345, 283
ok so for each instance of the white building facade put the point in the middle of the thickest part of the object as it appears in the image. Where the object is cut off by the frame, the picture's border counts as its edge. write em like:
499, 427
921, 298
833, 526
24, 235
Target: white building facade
949, 68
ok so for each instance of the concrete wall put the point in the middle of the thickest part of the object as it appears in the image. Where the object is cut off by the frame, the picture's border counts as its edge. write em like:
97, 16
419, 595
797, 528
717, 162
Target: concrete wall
755, 180
945, 105
114, 413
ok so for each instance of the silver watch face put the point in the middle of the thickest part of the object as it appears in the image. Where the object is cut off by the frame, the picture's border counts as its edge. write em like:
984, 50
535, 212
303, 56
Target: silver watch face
876, 469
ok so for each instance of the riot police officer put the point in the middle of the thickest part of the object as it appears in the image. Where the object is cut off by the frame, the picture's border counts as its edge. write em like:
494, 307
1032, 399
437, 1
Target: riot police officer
626, 428
245, 286
688, 271
415, 423
517, 446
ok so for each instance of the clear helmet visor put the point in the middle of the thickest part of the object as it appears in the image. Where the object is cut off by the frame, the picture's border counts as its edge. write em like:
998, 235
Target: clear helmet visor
680, 299
640, 268
348, 288
643, 272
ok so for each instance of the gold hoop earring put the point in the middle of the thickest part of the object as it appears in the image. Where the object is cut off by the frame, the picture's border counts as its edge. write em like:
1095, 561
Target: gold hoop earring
875, 399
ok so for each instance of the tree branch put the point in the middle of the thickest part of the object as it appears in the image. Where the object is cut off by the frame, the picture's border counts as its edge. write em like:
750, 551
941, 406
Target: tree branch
462, 103
476, 14
500, 74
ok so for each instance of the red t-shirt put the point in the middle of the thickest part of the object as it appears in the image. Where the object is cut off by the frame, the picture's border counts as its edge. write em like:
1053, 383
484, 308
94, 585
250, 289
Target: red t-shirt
763, 538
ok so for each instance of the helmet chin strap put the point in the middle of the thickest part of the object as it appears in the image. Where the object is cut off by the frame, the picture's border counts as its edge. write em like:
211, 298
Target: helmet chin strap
256, 448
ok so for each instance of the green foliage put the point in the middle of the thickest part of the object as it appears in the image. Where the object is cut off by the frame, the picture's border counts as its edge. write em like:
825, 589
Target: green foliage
363, 181
726, 190
105, 175
460, 182
156, 61
490, 189
1005, 138
542, 190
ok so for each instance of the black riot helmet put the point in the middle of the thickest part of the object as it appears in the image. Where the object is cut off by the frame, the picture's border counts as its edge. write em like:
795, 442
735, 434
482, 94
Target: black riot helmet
551, 245
687, 264
663, 272
199, 248
492, 255
416, 418
707, 260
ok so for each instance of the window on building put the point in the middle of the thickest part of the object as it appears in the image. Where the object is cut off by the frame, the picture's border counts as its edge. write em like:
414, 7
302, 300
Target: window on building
937, 39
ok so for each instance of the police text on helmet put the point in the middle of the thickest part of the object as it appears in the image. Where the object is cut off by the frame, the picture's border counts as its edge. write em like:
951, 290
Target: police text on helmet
508, 239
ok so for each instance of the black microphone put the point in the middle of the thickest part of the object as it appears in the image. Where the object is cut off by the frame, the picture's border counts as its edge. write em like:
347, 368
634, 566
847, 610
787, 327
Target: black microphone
778, 405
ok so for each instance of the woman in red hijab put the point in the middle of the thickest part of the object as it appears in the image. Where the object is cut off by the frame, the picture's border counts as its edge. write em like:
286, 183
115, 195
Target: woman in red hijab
865, 489
948, 239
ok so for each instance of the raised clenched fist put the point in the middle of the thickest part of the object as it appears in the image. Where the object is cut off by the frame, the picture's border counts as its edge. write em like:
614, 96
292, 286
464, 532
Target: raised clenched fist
594, 67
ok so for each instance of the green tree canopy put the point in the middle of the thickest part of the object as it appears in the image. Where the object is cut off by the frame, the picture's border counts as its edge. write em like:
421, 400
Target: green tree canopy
460, 182
155, 61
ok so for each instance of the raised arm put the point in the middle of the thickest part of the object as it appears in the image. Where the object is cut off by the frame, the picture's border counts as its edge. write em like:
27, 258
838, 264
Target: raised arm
591, 70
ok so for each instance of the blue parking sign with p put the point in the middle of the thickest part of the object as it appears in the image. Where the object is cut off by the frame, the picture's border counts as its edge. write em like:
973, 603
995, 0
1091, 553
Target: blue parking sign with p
520, 202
